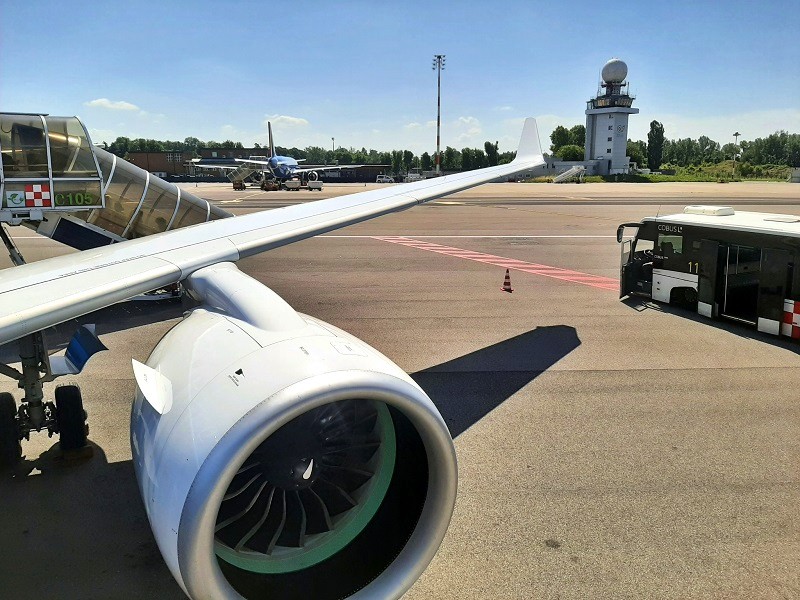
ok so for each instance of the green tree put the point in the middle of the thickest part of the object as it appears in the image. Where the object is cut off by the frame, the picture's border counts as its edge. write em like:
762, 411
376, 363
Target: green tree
577, 135
120, 146
559, 137
397, 162
709, 150
793, 151
315, 155
655, 145
426, 161
570, 152
492, 152
467, 163
637, 152
728, 150
408, 160
451, 161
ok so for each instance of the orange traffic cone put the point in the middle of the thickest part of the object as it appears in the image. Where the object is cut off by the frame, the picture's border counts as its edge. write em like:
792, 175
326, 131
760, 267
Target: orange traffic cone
507, 283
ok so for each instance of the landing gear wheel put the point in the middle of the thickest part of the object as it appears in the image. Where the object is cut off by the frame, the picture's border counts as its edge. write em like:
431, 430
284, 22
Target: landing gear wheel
71, 418
10, 446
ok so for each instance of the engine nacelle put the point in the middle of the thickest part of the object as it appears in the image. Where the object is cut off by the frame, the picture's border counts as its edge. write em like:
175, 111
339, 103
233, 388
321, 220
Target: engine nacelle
279, 457
312, 176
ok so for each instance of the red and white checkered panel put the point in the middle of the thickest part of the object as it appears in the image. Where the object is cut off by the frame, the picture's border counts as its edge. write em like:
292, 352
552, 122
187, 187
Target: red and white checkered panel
37, 195
791, 319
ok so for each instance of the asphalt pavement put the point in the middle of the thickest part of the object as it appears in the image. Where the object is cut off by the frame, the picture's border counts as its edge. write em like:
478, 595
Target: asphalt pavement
607, 448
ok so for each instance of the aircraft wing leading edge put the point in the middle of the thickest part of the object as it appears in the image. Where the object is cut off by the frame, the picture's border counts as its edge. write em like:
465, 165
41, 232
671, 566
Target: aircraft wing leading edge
42, 294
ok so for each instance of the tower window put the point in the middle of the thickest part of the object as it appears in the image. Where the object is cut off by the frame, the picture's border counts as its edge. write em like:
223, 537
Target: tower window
610, 127
609, 139
608, 150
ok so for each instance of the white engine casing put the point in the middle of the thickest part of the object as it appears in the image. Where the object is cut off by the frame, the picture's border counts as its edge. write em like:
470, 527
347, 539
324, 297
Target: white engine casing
234, 383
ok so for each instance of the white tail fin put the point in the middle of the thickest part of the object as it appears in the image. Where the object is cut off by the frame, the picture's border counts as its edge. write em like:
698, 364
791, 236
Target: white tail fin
529, 147
271, 143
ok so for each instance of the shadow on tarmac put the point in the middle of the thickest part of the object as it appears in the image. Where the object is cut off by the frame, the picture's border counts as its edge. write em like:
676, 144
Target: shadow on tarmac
469, 387
738, 329
77, 529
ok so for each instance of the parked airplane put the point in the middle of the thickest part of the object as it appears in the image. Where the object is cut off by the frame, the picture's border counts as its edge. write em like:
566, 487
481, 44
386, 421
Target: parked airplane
281, 168
277, 456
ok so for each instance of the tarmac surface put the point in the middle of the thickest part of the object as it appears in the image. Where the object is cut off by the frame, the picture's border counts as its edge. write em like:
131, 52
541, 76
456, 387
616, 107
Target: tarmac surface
607, 448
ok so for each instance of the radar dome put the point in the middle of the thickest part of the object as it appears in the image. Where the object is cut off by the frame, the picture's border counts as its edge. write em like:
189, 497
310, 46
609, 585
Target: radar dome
615, 71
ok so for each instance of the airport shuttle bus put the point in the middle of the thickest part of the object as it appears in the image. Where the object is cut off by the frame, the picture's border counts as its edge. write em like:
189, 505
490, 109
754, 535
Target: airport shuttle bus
743, 266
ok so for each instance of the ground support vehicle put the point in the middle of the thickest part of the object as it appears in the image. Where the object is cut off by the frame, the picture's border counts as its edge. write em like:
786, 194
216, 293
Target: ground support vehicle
298, 184
723, 263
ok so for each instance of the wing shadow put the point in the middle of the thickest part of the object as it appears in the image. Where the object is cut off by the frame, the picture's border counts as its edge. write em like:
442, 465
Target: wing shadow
467, 388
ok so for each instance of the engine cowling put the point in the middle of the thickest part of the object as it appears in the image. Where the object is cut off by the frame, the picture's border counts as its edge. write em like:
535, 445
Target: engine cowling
312, 176
280, 457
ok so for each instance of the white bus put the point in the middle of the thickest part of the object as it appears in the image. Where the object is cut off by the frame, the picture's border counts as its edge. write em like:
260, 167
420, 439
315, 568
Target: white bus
743, 266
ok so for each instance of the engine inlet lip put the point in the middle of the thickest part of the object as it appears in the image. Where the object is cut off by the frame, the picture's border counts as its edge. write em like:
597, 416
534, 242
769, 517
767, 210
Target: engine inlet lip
197, 559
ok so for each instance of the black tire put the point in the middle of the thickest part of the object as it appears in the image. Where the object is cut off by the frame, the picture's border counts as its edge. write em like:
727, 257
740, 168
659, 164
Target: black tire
71, 417
10, 446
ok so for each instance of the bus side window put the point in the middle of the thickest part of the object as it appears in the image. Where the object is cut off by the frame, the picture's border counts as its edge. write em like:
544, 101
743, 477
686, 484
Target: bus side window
670, 245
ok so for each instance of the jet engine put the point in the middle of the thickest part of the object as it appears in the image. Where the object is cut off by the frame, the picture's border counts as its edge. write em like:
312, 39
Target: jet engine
279, 457
312, 176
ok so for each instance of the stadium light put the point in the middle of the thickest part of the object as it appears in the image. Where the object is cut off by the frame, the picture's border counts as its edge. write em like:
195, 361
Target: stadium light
438, 65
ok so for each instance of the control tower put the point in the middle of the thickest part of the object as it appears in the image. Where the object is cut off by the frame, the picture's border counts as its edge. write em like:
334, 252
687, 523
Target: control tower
607, 120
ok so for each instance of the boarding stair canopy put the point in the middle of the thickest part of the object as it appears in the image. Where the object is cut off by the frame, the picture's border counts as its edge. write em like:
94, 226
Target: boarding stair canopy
242, 172
55, 181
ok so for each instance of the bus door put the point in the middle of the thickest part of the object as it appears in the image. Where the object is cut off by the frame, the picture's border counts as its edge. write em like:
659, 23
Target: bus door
772, 289
710, 266
742, 276
624, 272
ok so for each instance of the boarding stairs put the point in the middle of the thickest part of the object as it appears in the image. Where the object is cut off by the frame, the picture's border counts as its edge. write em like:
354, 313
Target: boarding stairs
242, 172
576, 172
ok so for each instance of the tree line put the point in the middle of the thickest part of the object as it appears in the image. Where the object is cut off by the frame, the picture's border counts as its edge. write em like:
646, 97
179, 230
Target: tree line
401, 161
779, 148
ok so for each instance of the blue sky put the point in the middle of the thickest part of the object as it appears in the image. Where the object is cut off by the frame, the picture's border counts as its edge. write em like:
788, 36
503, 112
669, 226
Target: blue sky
360, 72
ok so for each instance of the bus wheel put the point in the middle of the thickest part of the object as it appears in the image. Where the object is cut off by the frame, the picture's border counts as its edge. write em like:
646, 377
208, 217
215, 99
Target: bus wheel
690, 296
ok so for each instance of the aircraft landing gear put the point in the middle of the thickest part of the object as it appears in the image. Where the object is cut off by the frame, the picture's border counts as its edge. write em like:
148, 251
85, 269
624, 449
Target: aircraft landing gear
71, 418
65, 417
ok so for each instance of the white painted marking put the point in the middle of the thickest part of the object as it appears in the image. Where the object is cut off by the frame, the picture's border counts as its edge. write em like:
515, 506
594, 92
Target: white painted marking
310, 468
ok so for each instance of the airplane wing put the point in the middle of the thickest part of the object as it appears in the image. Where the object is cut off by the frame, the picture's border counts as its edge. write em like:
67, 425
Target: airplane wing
251, 161
38, 295
328, 168
265, 163
225, 167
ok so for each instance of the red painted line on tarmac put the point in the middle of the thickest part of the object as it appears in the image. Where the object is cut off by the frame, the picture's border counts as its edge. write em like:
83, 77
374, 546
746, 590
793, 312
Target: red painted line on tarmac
605, 283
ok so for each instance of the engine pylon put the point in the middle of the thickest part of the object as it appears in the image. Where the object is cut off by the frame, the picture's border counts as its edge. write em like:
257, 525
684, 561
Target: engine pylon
507, 283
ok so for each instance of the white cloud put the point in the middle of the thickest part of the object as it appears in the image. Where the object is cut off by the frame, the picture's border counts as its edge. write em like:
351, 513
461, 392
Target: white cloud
414, 125
504, 108
111, 105
468, 129
285, 121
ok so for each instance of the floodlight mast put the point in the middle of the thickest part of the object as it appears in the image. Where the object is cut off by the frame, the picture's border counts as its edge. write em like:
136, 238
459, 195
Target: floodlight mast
438, 65
735, 150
